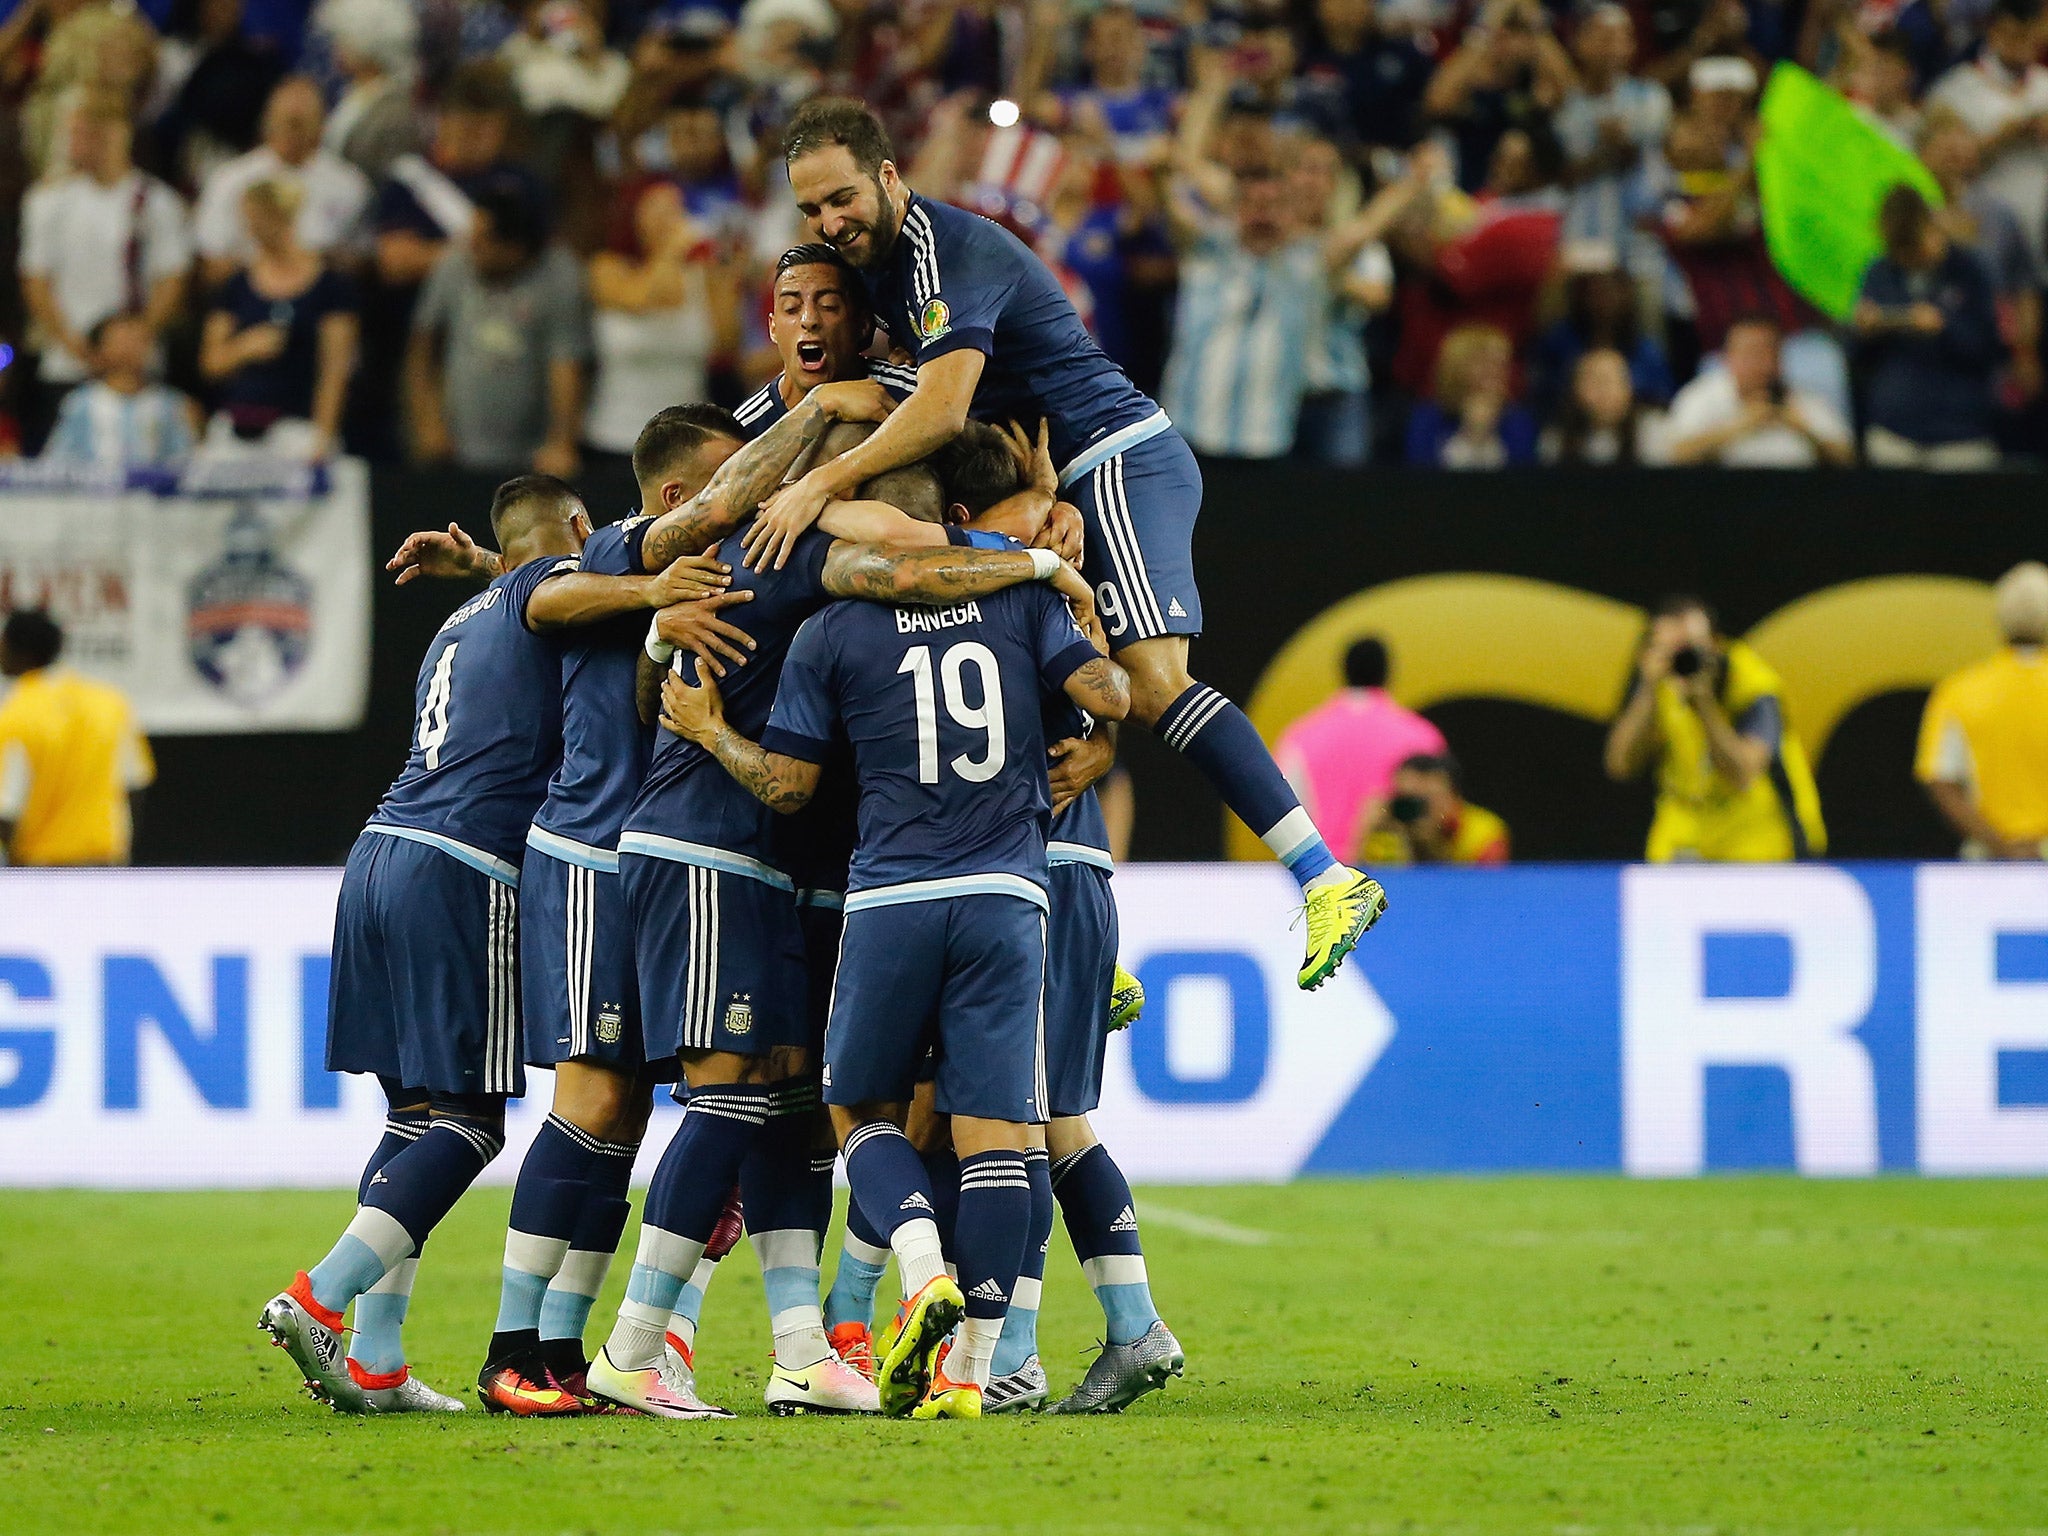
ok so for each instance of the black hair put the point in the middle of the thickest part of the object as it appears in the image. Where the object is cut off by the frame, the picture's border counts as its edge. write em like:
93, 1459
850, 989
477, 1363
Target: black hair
520, 503
675, 432
98, 332
1674, 605
481, 85
2025, 12
816, 253
33, 636
977, 467
514, 217
1435, 762
827, 120
1365, 664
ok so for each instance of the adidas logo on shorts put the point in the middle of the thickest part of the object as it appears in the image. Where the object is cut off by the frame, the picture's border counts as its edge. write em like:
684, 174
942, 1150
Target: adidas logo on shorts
916, 1202
988, 1290
1174, 609
1127, 1221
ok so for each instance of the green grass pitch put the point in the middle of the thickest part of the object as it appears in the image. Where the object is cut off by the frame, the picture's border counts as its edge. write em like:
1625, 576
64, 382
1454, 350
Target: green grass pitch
1565, 1355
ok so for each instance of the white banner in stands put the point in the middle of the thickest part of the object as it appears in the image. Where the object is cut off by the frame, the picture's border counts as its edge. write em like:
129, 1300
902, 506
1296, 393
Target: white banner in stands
164, 1029
234, 597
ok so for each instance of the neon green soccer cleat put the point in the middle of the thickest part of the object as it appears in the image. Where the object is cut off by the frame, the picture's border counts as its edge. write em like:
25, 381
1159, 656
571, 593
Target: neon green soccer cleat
903, 1354
1339, 912
1126, 999
949, 1399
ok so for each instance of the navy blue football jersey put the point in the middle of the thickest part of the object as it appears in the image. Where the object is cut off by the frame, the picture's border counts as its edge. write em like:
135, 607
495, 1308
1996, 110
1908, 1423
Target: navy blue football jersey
487, 725
1079, 834
955, 279
686, 796
604, 745
942, 707
764, 407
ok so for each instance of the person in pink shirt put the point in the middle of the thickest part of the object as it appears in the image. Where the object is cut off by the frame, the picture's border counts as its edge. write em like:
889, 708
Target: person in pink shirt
1341, 756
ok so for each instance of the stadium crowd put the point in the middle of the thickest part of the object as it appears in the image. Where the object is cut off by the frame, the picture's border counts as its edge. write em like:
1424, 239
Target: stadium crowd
1449, 233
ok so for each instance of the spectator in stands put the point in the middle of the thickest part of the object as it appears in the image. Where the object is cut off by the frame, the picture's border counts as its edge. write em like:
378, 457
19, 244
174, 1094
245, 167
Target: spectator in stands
1341, 756
1509, 72
1611, 128
1706, 714
122, 418
376, 44
1134, 110
212, 80
280, 340
73, 762
1602, 422
334, 194
1378, 73
1880, 83
500, 339
425, 201
695, 159
662, 314
1474, 422
1930, 330
560, 63
1428, 820
1742, 414
1335, 422
102, 239
1984, 737
103, 48
1979, 221
1601, 310
2002, 98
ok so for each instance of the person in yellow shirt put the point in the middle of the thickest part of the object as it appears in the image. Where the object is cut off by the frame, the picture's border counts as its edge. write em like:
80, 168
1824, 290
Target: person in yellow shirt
1428, 820
73, 762
1707, 713
1984, 737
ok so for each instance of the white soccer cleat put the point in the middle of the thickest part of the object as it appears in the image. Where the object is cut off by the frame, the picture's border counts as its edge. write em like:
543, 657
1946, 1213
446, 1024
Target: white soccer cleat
410, 1395
664, 1391
830, 1386
1023, 1390
315, 1346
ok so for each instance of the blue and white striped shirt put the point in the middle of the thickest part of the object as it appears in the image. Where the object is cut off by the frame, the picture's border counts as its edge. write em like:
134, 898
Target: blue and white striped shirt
1245, 331
102, 426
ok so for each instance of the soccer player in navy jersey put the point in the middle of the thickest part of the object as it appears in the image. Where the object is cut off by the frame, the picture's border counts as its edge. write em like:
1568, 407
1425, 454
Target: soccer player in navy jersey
994, 334
821, 324
944, 948
425, 984
711, 882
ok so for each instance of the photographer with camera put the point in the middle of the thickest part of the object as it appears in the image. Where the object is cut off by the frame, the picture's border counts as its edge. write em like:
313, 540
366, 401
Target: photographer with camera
1707, 712
1428, 820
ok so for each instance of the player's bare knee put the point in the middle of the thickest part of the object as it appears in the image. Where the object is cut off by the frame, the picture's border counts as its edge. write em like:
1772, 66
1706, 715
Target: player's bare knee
848, 1118
1069, 1134
722, 1069
1159, 674
600, 1099
927, 1129
972, 1134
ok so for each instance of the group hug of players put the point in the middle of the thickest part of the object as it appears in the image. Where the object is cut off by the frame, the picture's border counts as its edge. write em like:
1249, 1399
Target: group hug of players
816, 843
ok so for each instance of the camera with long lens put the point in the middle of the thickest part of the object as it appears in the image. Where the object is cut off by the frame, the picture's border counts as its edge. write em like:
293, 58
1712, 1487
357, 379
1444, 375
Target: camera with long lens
1687, 660
1407, 809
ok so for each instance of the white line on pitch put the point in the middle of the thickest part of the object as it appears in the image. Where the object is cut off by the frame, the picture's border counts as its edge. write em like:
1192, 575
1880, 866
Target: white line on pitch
1205, 1226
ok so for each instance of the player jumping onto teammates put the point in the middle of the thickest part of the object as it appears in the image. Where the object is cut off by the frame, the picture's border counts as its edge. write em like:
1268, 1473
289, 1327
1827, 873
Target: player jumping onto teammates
993, 331
425, 988
945, 925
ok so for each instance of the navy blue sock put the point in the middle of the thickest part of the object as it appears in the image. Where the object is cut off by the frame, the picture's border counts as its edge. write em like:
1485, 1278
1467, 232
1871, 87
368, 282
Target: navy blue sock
1020, 1325
421, 1185
993, 1226
1103, 1223
1214, 734
546, 1203
594, 1240
720, 1125
778, 1191
402, 1127
889, 1181
942, 1173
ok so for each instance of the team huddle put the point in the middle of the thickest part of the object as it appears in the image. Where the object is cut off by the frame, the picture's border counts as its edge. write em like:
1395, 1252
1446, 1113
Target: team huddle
780, 791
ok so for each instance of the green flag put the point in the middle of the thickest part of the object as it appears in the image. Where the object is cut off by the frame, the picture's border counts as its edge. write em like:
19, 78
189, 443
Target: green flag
1822, 172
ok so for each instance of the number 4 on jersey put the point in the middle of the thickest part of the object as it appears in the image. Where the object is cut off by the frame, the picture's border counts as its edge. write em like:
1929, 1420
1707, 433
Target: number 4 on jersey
434, 713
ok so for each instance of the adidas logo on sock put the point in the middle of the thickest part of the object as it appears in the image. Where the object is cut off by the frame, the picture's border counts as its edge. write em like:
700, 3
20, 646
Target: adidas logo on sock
1126, 1222
1174, 609
988, 1290
916, 1202
378, 1178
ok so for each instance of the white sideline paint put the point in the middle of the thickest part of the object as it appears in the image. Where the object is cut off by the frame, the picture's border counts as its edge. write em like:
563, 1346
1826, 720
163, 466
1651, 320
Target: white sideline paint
1204, 1226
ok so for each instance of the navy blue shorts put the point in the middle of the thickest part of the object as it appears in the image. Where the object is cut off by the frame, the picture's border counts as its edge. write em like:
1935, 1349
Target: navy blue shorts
964, 977
1080, 972
821, 916
425, 981
720, 958
581, 994
1140, 508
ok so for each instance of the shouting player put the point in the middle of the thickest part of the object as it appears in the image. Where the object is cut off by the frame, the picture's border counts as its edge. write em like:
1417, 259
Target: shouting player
425, 988
944, 948
994, 333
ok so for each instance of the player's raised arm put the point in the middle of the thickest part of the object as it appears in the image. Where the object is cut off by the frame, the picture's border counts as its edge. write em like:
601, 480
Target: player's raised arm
783, 784
582, 597
929, 419
934, 576
746, 479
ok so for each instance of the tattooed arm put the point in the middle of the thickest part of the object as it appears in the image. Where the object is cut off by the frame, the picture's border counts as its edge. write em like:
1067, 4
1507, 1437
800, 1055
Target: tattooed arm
1102, 688
949, 575
783, 784
750, 476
